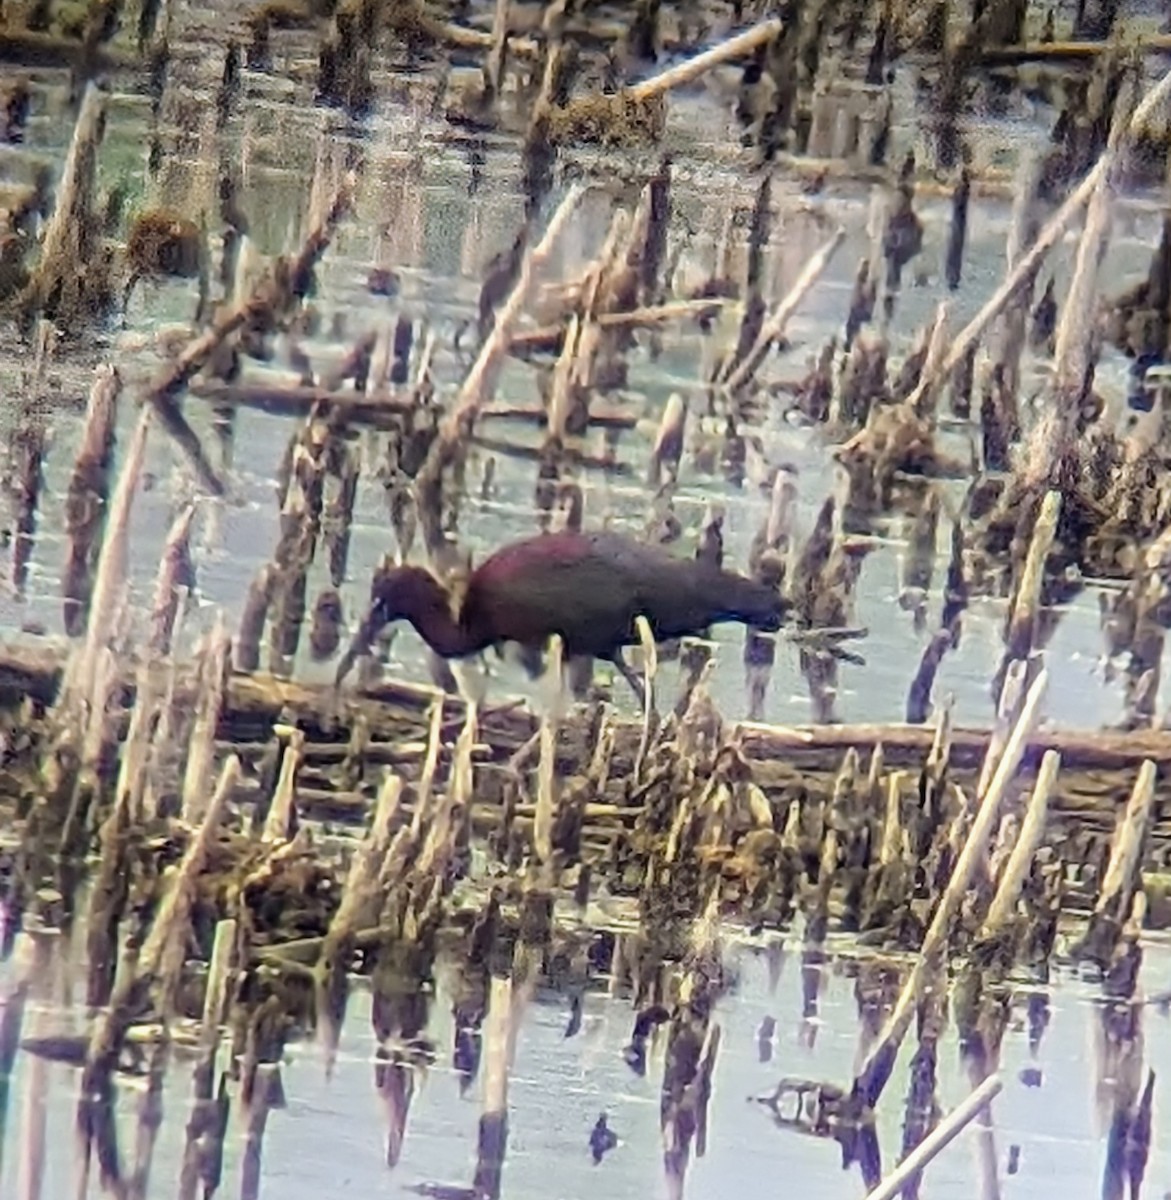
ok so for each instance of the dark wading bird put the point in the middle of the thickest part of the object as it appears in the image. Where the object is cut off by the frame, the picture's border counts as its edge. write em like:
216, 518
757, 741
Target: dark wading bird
589, 588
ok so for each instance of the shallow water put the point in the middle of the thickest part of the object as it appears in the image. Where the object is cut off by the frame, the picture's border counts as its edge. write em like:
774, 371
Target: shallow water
440, 272
415, 203
331, 1137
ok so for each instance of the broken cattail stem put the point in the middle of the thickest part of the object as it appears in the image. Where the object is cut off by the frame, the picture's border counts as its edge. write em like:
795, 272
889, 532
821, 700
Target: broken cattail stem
105, 677
481, 379
1121, 878
215, 993
1071, 357
1054, 434
494, 66
168, 928
107, 892
686, 72
201, 748
546, 813
173, 581
444, 835
774, 325
1049, 236
561, 390
86, 500
29, 1005
360, 896
136, 749
938, 1139
267, 1085
1013, 334
65, 231
648, 317
283, 810
1021, 635
891, 847
171, 918
150, 1119
879, 1064
1067, 51
936, 349
24, 480
650, 663
252, 620
1020, 860
109, 578
668, 447
1027, 599
273, 295
498, 1044
953, 266
1008, 704
426, 782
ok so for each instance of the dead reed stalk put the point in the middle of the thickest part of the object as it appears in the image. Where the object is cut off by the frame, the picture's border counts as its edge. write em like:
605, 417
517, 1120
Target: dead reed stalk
215, 665
695, 68
938, 1139
1029, 262
773, 327
875, 1072
480, 382
80, 685
168, 929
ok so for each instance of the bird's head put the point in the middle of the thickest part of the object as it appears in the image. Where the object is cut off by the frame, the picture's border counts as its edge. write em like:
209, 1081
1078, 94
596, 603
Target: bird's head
397, 593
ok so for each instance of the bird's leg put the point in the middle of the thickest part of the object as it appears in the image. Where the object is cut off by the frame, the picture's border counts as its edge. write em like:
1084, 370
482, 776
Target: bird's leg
630, 675
530, 658
580, 673
441, 673
470, 680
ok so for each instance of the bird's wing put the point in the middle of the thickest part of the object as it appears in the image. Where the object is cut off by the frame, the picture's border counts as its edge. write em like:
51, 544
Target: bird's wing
650, 573
579, 595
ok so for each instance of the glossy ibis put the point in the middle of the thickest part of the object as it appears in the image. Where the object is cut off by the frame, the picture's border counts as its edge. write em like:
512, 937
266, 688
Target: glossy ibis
588, 587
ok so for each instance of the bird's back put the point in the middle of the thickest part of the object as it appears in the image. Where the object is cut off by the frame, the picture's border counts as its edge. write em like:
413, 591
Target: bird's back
552, 583
591, 587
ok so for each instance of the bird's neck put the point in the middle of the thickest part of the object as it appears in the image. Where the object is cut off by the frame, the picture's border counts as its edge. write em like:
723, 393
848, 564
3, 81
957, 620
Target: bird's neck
448, 636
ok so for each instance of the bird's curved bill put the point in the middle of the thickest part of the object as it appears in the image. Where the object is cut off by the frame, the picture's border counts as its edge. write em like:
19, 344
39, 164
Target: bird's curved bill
347, 663
360, 644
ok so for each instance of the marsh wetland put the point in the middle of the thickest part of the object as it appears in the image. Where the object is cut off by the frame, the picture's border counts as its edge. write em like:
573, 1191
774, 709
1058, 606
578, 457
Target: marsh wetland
870, 302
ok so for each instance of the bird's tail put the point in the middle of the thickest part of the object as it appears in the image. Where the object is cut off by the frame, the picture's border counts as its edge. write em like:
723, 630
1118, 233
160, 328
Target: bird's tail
754, 603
